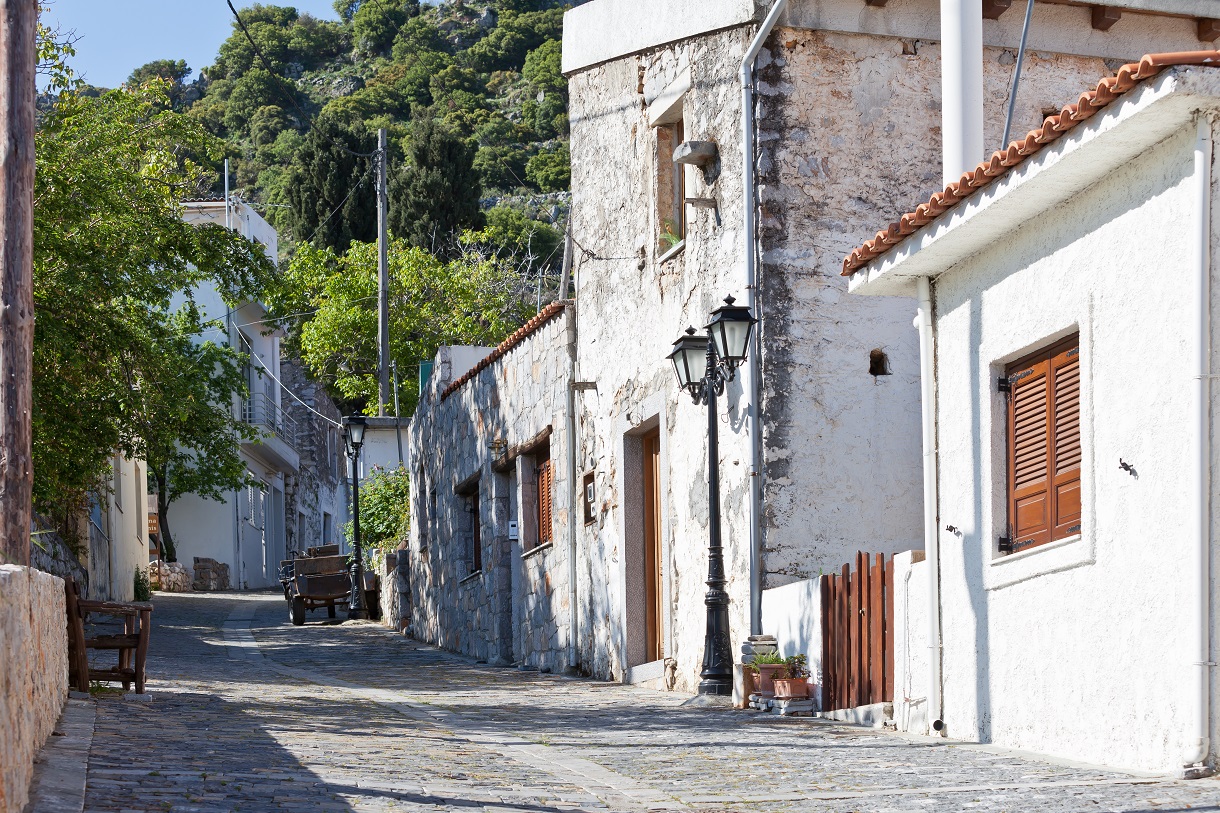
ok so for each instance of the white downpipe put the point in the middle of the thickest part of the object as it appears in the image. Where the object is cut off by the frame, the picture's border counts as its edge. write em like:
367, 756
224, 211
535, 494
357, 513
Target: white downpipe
1198, 743
931, 497
573, 485
753, 365
961, 67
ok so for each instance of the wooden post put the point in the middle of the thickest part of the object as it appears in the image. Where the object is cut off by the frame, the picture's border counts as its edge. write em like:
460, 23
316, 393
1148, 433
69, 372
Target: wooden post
18, 59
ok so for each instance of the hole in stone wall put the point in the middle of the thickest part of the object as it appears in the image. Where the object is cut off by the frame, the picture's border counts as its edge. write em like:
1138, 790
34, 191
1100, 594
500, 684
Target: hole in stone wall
878, 363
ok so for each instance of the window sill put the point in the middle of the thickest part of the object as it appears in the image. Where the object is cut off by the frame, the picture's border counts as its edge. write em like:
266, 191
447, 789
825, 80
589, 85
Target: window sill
537, 550
673, 252
471, 577
1053, 557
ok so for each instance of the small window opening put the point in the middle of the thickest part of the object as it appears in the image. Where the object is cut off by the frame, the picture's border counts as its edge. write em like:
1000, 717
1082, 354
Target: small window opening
878, 363
590, 495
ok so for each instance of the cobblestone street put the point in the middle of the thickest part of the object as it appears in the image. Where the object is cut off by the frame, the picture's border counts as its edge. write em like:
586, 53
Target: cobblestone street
248, 713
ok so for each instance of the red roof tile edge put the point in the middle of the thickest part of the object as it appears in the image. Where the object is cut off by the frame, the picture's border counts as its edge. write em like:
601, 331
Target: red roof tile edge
519, 335
1089, 103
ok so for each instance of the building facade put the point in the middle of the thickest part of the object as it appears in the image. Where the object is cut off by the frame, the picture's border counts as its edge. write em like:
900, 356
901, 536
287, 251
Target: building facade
491, 527
1073, 418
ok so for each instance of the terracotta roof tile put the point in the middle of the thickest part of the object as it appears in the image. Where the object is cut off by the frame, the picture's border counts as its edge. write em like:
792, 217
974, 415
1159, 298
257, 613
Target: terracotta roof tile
521, 334
1089, 102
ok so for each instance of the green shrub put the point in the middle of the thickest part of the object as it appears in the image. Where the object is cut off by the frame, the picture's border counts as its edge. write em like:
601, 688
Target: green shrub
143, 588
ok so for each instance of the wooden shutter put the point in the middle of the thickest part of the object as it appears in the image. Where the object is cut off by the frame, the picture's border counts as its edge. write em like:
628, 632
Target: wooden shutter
544, 501
1044, 445
476, 534
1065, 434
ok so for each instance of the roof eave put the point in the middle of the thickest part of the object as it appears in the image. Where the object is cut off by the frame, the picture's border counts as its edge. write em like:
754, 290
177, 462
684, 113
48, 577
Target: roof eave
1142, 118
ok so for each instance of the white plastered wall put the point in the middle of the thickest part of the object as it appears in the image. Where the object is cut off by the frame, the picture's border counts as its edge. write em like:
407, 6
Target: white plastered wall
1080, 649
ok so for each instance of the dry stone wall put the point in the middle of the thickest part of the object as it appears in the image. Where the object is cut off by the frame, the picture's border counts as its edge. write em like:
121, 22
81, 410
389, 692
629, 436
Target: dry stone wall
34, 677
514, 607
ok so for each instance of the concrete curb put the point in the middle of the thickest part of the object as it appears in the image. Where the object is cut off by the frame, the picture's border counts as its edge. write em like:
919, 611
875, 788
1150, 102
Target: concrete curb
62, 765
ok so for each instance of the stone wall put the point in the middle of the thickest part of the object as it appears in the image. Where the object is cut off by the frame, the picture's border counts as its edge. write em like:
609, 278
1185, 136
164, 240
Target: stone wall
34, 681
477, 448
319, 486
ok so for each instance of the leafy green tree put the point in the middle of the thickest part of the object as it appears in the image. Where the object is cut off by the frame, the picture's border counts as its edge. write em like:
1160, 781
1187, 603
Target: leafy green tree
436, 193
479, 297
538, 244
385, 508
515, 35
551, 169
375, 23
329, 189
190, 438
172, 71
111, 253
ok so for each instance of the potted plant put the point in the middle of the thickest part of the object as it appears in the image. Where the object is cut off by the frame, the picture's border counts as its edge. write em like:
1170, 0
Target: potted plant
765, 665
793, 682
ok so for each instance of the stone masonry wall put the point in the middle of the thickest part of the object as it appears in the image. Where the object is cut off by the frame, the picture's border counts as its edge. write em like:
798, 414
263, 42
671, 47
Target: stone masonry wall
33, 674
515, 608
318, 484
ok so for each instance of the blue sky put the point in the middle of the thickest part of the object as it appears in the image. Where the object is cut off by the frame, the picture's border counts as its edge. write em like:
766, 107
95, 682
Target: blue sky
117, 36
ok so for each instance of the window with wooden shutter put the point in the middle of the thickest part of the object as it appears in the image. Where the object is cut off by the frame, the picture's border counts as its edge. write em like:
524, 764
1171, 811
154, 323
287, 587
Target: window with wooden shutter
476, 533
545, 482
1044, 446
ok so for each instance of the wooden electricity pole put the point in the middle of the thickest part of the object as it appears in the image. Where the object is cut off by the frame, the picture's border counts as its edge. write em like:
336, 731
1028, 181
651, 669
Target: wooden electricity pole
383, 281
18, 59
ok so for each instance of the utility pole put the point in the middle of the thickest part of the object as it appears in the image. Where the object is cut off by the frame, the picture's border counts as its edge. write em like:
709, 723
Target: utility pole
17, 62
383, 285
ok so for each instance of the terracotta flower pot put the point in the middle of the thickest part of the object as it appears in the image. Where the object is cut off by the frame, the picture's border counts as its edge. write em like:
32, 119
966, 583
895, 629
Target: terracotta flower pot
765, 678
792, 688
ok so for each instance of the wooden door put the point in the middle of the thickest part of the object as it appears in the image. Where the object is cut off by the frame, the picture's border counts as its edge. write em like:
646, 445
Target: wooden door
653, 592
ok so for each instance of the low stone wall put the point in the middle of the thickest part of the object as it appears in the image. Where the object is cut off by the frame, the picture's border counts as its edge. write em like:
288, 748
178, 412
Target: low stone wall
34, 682
211, 574
170, 577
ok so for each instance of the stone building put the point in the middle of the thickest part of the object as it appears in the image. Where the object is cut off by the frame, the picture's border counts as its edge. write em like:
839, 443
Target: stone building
824, 457
490, 549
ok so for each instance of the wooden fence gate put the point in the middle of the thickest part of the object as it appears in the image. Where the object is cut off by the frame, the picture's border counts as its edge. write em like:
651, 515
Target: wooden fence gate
858, 634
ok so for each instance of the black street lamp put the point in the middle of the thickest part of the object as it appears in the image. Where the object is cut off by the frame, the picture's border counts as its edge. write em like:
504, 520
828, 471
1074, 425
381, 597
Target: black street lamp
353, 433
723, 350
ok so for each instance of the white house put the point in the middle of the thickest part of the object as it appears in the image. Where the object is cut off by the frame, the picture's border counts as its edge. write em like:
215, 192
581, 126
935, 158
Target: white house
249, 530
1068, 307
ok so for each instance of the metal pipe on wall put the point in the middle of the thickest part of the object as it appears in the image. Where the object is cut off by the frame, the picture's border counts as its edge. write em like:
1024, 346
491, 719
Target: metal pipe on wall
931, 495
1199, 738
961, 65
754, 363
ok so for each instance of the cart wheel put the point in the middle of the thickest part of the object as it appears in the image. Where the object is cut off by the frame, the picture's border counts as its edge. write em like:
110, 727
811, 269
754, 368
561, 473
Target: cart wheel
330, 611
298, 611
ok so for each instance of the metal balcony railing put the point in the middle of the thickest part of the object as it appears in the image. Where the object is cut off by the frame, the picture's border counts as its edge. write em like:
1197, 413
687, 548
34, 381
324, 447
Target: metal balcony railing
260, 410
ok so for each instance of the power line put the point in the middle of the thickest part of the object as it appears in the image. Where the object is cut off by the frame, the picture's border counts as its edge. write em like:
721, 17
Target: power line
291, 97
271, 375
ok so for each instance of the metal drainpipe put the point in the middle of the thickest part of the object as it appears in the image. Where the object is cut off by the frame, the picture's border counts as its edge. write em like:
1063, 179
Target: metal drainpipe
931, 495
755, 362
573, 610
1199, 745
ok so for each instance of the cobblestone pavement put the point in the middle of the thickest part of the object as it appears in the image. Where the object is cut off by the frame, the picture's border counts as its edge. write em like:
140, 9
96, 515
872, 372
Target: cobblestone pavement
248, 713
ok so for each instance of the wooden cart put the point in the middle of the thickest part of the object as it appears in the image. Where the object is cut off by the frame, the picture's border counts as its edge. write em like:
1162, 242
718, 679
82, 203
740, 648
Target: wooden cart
313, 582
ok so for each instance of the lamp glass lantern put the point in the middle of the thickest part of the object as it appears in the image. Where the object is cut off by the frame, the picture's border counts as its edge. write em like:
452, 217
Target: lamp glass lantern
690, 359
353, 427
730, 329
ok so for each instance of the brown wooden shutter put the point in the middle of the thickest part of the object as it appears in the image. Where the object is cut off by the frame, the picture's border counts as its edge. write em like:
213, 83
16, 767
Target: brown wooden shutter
1044, 445
544, 501
1029, 458
1065, 375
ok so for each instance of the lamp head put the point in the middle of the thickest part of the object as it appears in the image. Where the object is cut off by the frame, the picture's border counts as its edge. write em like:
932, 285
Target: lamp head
730, 329
353, 429
690, 360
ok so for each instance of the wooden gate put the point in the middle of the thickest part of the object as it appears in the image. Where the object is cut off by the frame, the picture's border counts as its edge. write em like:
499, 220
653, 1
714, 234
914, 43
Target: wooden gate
858, 634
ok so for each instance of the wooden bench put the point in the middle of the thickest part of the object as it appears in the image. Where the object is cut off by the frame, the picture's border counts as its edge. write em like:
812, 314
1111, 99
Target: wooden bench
131, 644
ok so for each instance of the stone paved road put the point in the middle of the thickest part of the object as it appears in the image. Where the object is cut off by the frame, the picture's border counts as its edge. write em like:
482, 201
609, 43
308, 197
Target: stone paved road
248, 713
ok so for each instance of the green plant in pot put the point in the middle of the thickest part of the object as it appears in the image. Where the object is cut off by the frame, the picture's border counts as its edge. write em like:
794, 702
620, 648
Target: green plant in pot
793, 682
765, 665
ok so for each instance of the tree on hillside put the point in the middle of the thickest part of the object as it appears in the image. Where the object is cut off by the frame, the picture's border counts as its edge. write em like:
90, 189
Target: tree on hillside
330, 190
172, 71
111, 253
375, 24
479, 297
436, 193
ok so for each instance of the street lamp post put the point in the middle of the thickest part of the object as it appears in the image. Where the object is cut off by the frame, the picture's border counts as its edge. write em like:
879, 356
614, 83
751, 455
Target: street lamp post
353, 432
723, 350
